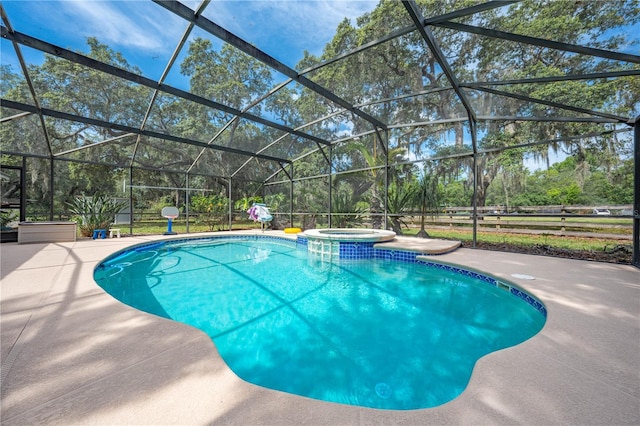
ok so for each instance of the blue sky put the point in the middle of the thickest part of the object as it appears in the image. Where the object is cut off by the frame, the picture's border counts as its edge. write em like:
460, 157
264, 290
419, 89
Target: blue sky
147, 34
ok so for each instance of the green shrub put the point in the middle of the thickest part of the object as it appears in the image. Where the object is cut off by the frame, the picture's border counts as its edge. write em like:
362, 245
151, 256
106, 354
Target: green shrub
96, 212
211, 210
6, 217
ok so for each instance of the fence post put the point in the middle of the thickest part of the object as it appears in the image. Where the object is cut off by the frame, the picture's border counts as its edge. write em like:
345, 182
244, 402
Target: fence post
562, 227
498, 223
636, 192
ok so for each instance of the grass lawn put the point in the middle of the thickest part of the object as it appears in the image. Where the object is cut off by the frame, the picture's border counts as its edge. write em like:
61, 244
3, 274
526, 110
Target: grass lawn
606, 220
596, 225
160, 227
565, 242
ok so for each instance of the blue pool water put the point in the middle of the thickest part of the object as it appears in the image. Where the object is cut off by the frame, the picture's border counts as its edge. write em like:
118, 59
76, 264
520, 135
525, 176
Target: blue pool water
373, 333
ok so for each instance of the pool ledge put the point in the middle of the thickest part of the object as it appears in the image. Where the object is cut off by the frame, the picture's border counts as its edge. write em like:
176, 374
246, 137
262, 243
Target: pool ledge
421, 245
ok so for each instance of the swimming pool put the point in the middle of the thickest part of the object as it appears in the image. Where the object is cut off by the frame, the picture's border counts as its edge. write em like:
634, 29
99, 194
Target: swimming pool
374, 333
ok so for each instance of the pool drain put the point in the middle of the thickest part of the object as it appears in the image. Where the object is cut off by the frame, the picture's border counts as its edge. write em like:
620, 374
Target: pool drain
383, 390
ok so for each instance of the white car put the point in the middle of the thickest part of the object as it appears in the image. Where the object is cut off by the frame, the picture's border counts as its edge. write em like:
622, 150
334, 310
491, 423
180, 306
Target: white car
602, 212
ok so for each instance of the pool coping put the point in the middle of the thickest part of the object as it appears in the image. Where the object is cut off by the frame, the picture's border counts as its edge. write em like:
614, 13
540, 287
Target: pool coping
428, 246
71, 354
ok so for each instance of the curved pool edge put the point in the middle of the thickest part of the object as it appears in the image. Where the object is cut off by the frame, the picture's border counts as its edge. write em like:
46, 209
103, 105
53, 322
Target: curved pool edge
498, 282
159, 242
419, 260
387, 253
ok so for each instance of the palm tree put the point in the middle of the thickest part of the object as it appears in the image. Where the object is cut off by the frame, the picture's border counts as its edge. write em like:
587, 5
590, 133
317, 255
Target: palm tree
400, 198
95, 212
427, 197
377, 191
344, 202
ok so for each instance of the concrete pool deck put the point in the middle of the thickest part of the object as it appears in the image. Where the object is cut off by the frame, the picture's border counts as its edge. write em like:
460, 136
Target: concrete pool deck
73, 355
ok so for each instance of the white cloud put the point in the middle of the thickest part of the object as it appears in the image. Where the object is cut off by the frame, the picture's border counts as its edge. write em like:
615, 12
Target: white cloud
286, 28
146, 33
129, 24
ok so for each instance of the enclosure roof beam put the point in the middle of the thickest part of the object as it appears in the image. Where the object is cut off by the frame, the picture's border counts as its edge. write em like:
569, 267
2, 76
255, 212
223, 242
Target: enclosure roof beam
77, 58
390, 126
16, 116
556, 45
407, 96
553, 141
230, 38
463, 119
80, 161
201, 9
163, 76
550, 119
409, 29
283, 169
287, 172
230, 122
472, 10
385, 151
96, 163
25, 154
504, 148
430, 123
326, 157
156, 169
106, 141
136, 167
266, 181
413, 11
115, 126
337, 141
284, 136
362, 48
258, 152
552, 104
592, 76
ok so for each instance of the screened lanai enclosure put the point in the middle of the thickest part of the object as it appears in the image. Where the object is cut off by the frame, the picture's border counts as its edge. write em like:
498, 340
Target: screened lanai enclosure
481, 121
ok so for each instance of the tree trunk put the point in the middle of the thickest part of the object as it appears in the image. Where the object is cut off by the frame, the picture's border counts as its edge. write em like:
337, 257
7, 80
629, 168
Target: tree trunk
423, 233
506, 194
376, 221
396, 226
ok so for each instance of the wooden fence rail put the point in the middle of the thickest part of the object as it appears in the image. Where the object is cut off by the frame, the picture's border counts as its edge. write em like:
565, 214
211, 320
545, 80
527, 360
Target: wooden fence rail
556, 220
583, 225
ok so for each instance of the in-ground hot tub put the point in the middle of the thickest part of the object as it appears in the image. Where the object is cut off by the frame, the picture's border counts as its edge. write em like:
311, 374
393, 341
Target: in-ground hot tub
344, 242
350, 234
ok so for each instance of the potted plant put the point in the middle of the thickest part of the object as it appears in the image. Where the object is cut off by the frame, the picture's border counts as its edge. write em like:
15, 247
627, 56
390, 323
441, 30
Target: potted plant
95, 212
8, 233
